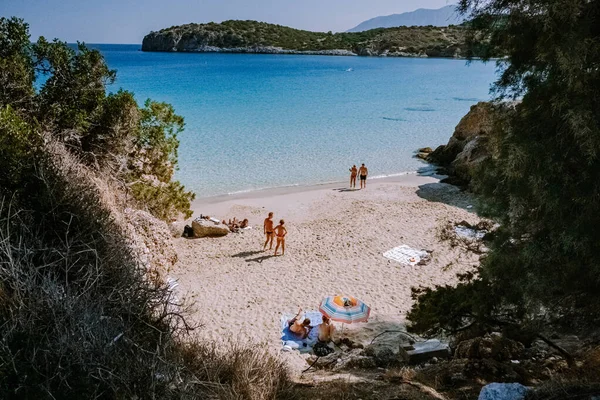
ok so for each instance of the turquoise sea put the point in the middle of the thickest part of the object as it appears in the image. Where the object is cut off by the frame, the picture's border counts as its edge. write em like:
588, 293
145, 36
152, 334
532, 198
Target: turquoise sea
262, 121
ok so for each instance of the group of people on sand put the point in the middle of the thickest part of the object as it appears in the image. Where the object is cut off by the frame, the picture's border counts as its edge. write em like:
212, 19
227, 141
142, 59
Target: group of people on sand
301, 327
236, 224
362, 172
271, 233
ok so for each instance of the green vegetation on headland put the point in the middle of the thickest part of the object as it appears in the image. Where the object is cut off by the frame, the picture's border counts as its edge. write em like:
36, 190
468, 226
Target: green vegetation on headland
261, 37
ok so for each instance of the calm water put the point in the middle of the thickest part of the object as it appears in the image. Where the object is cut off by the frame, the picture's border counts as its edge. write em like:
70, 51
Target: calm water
259, 121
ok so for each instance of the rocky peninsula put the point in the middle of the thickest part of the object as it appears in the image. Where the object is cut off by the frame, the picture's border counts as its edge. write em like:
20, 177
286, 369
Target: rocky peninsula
259, 37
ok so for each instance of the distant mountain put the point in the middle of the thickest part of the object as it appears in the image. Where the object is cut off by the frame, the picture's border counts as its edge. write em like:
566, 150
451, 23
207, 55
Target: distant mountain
422, 17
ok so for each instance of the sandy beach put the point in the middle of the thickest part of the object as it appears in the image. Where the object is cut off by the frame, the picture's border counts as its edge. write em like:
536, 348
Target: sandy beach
335, 245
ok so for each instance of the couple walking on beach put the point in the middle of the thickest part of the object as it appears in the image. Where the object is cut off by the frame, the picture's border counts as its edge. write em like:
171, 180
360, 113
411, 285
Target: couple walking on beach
363, 172
279, 231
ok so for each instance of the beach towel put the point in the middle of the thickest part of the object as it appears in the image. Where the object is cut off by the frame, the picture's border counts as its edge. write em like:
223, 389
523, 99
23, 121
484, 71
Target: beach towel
291, 341
406, 255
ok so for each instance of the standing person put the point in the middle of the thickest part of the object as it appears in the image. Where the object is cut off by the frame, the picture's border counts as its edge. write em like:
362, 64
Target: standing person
363, 172
353, 173
280, 232
268, 231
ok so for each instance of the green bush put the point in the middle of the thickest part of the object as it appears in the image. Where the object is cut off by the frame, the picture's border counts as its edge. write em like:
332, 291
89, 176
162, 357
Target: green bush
137, 146
80, 317
542, 184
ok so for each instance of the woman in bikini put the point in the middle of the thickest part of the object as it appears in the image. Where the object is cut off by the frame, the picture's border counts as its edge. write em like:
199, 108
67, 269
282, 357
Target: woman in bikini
280, 233
353, 173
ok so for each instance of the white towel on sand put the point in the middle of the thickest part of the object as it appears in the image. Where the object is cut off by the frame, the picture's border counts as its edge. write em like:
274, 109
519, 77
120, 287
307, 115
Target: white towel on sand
406, 255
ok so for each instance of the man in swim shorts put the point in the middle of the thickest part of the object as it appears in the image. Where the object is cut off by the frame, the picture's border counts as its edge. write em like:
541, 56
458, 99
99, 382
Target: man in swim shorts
269, 232
363, 172
353, 173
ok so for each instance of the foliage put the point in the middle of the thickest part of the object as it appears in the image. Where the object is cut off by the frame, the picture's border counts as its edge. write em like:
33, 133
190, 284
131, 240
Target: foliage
80, 316
136, 145
75, 85
16, 64
435, 42
16, 139
543, 185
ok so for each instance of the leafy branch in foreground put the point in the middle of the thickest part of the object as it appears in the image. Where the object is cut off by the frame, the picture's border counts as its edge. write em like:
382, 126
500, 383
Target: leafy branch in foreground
81, 315
110, 132
543, 183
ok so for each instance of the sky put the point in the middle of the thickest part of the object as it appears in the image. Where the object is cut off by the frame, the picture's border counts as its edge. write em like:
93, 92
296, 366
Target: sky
128, 21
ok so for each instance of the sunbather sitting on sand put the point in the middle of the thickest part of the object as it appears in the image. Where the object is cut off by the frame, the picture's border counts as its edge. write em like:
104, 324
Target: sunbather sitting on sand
326, 330
300, 328
235, 225
321, 348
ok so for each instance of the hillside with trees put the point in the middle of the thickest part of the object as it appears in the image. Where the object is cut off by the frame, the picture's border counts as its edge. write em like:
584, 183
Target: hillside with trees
261, 37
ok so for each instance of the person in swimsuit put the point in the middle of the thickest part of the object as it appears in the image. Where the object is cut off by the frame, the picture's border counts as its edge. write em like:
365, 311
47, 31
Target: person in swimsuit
353, 173
280, 232
363, 172
300, 328
268, 231
326, 330
325, 335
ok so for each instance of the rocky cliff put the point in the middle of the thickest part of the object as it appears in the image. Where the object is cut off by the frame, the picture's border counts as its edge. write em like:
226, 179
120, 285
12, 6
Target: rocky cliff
260, 37
470, 145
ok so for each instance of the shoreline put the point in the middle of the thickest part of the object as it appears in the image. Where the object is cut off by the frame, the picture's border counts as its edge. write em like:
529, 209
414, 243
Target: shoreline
401, 177
326, 53
336, 242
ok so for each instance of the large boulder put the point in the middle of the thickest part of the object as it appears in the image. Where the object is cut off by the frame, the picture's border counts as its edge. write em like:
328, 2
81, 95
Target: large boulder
469, 145
209, 229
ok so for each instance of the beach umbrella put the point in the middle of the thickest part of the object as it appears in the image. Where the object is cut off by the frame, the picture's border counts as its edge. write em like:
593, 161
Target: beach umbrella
345, 309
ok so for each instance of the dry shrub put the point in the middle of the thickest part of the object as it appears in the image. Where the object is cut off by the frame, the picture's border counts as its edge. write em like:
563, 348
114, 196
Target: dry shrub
81, 320
236, 371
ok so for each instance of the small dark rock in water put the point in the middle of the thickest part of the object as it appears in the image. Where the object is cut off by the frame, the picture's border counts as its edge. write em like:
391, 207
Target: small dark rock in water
422, 156
425, 150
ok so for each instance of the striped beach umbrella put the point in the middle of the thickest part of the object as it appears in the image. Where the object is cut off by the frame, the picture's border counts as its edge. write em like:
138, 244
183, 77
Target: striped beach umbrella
345, 309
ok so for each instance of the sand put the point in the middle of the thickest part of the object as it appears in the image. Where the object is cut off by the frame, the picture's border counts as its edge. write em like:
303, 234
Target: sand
335, 244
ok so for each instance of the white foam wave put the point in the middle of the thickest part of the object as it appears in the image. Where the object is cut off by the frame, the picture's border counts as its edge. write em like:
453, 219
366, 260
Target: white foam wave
238, 192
